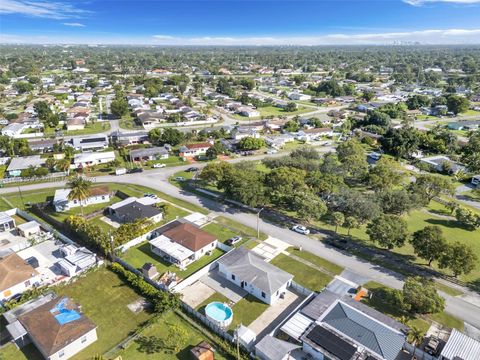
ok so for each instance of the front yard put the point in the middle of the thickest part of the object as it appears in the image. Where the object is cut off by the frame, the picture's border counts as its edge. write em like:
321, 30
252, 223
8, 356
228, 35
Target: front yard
303, 274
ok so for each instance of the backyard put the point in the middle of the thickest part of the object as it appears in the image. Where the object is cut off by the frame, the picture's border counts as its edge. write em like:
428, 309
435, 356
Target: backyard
140, 350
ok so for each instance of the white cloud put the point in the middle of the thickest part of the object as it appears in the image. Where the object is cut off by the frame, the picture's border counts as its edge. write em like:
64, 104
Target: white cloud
423, 2
74, 24
431, 36
43, 9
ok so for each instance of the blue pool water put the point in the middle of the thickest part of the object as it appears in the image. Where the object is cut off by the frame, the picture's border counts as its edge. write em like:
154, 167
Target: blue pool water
218, 311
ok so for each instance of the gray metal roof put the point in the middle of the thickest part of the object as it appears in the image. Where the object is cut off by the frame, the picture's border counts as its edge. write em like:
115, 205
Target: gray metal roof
319, 304
365, 330
252, 268
149, 152
273, 348
24, 162
461, 346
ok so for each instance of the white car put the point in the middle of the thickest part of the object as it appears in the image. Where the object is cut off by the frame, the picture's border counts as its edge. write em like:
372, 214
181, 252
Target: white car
159, 166
301, 229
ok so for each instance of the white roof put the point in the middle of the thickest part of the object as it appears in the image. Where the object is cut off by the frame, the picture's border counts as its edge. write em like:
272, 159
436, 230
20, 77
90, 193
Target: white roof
86, 157
123, 202
296, 326
5, 218
171, 248
246, 335
31, 225
61, 195
461, 346
64, 264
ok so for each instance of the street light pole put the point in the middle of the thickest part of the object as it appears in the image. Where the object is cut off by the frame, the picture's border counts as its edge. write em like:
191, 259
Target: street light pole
258, 222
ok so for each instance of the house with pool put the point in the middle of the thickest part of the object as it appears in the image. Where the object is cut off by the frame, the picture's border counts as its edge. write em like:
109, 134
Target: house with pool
253, 274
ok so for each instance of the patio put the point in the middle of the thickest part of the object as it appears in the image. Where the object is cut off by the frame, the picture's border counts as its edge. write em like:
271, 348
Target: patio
223, 286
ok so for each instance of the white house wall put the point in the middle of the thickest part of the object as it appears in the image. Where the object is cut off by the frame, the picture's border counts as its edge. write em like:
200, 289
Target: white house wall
76, 346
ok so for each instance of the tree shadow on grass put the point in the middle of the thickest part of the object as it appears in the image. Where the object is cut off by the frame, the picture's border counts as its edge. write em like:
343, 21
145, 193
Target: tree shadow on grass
448, 223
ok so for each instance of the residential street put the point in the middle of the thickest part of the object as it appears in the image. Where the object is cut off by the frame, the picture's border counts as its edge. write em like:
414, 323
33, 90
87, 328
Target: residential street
157, 179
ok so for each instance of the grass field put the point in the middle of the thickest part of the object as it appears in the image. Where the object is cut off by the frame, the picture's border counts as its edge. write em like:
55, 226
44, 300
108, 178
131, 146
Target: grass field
302, 274
418, 219
139, 350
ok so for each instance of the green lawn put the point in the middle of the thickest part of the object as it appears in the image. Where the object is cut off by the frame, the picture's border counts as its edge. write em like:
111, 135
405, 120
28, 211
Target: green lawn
128, 123
104, 299
171, 161
139, 255
378, 303
302, 274
316, 260
418, 219
90, 128
29, 352
275, 111
245, 311
221, 232
139, 351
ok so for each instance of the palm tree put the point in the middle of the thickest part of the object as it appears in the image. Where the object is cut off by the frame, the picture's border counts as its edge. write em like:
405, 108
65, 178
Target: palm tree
415, 335
63, 165
79, 190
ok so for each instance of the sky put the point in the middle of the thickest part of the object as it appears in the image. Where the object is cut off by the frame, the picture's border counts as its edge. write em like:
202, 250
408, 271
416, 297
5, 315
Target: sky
240, 22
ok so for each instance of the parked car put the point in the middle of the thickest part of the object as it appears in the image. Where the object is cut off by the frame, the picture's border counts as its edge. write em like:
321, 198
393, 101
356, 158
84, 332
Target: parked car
135, 170
180, 178
120, 171
150, 195
301, 229
192, 169
233, 240
271, 152
432, 346
157, 166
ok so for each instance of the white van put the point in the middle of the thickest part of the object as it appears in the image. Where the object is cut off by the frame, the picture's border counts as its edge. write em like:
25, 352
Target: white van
120, 171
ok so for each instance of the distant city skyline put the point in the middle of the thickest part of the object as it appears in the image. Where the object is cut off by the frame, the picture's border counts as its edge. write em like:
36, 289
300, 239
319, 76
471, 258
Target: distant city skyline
247, 22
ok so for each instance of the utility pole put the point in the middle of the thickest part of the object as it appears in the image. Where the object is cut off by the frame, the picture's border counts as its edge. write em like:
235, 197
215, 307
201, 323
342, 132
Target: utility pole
21, 197
258, 222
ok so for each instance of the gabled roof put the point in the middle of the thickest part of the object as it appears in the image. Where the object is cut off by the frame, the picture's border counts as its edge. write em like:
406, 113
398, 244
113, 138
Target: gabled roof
253, 269
461, 346
365, 330
189, 236
275, 349
56, 324
14, 270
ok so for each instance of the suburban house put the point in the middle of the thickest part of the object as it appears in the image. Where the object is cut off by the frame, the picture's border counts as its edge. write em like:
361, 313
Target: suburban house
331, 326
17, 164
271, 348
125, 139
191, 150
98, 195
460, 346
440, 162
14, 130
151, 118
6, 222
464, 125
252, 273
16, 276
182, 243
76, 123
248, 112
299, 96
90, 143
75, 260
90, 159
153, 153
314, 134
132, 208
278, 142
44, 145
55, 325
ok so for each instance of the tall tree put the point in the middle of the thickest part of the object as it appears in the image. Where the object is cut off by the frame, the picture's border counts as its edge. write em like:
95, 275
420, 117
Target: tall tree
429, 243
459, 258
388, 231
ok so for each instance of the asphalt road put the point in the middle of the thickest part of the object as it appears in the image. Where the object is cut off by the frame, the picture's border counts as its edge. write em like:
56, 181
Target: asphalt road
468, 311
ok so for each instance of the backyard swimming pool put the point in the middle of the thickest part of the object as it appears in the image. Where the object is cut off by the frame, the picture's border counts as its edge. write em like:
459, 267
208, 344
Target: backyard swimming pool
219, 313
